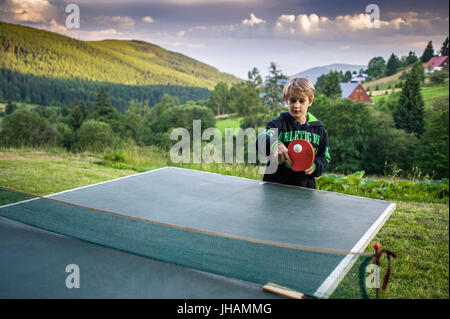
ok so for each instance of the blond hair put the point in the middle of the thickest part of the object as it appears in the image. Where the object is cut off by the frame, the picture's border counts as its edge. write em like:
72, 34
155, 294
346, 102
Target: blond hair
298, 87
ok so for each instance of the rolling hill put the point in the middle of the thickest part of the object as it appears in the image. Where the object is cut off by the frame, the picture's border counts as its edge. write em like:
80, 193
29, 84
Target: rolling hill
313, 73
45, 54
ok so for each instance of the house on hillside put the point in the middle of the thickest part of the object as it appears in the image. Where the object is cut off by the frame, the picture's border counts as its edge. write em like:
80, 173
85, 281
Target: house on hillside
436, 64
355, 92
359, 78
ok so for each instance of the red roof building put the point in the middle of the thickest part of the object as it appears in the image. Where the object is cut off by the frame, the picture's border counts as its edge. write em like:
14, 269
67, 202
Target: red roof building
355, 92
436, 63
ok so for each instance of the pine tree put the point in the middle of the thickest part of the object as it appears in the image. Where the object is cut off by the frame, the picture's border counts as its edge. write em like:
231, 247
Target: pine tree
331, 87
409, 114
102, 99
274, 85
428, 53
10, 107
255, 78
411, 58
347, 76
444, 48
392, 65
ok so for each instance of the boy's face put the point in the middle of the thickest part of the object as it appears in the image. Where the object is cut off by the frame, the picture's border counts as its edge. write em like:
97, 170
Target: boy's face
298, 107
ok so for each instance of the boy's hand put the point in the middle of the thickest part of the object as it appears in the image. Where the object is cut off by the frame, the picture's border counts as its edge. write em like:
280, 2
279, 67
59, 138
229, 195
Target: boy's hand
282, 153
310, 170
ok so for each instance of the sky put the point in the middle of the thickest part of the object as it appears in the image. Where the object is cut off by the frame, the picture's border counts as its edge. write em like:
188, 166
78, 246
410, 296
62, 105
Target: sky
236, 36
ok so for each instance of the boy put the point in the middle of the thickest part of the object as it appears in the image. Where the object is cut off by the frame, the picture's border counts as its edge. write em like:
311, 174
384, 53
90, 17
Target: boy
298, 123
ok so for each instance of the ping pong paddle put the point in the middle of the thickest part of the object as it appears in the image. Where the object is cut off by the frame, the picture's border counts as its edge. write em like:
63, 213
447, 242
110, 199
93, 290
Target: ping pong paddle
302, 155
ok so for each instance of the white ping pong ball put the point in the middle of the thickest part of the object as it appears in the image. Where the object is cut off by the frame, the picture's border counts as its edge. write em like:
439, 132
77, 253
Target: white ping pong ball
297, 148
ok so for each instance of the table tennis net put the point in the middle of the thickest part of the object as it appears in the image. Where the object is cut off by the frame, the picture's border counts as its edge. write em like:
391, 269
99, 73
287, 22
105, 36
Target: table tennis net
314, 272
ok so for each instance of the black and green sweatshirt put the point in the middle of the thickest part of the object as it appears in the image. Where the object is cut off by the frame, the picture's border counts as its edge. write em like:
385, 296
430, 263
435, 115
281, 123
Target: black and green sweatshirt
288, 130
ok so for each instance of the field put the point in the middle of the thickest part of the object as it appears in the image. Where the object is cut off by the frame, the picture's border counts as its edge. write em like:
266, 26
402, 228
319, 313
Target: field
429, 93
228, 123
384, 82
417, 231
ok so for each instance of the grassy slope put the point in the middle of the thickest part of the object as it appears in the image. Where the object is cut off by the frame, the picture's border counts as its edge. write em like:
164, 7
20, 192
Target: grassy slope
42, 53
417, 232
384, 82
429, 93
228, 123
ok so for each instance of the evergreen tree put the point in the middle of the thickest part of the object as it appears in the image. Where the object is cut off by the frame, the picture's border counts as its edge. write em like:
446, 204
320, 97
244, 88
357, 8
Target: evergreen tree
102, 99
77, 115
409, 114
320, 83
433, 152
255, 78
428, 53
331, 87
444, 48
392, 65
273, 89
411, 58
347, 77
420, 71
10, 107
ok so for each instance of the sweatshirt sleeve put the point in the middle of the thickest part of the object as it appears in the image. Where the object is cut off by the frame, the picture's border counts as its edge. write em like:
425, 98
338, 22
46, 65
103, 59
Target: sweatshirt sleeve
268, 140
323, 155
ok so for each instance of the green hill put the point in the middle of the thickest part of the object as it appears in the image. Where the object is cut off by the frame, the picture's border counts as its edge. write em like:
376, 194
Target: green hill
41, 53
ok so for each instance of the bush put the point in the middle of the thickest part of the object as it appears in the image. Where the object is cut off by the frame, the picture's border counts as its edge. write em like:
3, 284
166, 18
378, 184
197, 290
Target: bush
26, 128
183, 116
433, 151
350, 126
67, 136
94, 136
355, 184
438, 77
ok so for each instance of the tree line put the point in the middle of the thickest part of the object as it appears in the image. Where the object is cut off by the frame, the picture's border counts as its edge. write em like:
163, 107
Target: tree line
398, 134
378, 67
395, 135
31, 89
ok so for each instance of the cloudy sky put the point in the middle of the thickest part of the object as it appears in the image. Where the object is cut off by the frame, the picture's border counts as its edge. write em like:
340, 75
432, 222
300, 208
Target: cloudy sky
235, 36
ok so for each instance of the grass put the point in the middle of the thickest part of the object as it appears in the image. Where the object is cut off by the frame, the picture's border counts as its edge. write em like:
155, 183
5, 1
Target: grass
228, 123
418, 234
416, 231
384, 82
430, 92
46, 172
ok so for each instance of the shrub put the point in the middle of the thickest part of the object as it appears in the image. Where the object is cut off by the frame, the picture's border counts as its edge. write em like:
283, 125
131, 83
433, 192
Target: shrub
94, 136
438, 77
67, 136
27, 128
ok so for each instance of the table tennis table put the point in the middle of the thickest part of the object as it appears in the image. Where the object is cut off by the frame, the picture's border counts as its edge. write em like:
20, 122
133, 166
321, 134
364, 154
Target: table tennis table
182, 233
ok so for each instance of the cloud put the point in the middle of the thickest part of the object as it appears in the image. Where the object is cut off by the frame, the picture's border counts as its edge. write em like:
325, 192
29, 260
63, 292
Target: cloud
187, 45
313, 24
86, 35
56, 27
253, 20
357, 26
115, 21
148, 19
100, 34
28, 11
